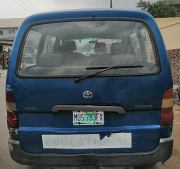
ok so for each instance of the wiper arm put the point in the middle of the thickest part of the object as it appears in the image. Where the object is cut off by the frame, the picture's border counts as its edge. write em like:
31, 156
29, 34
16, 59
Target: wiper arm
104, 68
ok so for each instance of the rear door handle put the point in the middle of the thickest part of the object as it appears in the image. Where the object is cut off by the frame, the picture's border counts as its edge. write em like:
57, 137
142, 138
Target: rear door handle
118, 109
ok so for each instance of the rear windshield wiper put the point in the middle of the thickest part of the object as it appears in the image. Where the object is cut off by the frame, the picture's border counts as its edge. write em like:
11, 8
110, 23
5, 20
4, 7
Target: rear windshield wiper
104, 68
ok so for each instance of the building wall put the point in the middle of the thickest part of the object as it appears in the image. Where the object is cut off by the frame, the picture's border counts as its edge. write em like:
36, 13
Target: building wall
170, 28
173, 1
174, 59
171, 36
8, 33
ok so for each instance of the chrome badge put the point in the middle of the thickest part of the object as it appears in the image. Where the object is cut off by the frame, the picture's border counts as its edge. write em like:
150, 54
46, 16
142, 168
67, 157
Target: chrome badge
87, 94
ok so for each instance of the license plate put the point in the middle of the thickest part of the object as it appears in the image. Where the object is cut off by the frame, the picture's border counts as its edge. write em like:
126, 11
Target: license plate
88, 118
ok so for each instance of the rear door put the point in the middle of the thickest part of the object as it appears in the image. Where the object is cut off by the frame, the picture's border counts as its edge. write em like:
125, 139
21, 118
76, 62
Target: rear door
116, 110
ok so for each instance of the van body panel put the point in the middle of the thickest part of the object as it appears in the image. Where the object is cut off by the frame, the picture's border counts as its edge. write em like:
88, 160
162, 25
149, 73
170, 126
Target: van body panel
140, 115
32, 139
111, 91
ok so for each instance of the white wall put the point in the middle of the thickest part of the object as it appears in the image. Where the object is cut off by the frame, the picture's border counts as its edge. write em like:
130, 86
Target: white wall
8, 34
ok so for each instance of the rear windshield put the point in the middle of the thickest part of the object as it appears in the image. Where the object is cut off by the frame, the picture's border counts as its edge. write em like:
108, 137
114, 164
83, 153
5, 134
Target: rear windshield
69, 48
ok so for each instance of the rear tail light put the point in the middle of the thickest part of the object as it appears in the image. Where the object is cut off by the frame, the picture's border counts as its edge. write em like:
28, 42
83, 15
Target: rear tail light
10, 102
12, 119
167, 108
12, 115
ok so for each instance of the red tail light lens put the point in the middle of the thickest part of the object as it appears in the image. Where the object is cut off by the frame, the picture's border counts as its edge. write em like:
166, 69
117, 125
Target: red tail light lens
10, 97
167, 108
12, 119
12, 115
10, 102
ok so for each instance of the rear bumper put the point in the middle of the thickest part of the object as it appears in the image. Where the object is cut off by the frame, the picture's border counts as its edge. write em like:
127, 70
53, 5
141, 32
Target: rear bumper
160, 154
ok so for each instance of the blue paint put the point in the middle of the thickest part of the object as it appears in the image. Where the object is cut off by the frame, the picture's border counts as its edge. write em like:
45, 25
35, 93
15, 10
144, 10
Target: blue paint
140, 136
129, 92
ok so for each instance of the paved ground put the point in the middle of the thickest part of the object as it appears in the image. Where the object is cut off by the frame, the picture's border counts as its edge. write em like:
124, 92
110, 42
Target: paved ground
7, 163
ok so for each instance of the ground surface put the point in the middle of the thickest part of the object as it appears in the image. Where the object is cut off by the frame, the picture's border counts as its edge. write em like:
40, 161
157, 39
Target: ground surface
7, 163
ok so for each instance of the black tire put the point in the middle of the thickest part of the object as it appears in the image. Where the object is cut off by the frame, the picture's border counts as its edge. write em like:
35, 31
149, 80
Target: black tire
148, 166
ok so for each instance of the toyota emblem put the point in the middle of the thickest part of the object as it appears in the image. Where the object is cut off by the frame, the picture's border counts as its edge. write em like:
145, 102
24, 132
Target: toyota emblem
87, 94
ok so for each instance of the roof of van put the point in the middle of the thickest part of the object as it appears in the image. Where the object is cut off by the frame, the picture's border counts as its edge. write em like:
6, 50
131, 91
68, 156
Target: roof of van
88, 14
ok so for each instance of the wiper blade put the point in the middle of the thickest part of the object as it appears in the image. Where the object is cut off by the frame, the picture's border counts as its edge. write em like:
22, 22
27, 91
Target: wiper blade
113, 67
104, 68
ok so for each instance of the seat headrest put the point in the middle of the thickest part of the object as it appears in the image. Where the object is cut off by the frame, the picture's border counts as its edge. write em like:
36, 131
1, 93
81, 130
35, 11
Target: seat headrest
57, 48
69, 46
116, 48
100, 47
49, 61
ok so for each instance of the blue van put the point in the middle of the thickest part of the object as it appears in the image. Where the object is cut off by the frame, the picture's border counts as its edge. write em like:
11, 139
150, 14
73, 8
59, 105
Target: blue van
89, 88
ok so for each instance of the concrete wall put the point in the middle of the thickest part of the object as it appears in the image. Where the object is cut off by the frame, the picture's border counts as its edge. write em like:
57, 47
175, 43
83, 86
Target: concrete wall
8, 34
171, 36
170, 29
174, 59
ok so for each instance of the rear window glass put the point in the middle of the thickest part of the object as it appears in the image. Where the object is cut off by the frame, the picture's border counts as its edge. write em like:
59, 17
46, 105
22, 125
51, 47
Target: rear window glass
69, 48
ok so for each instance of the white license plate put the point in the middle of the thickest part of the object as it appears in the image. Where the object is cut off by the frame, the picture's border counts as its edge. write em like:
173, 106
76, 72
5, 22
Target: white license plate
87, 141
88, 118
